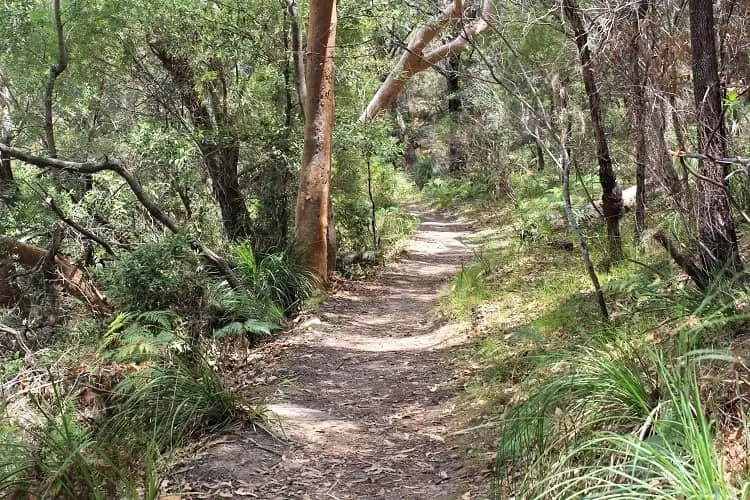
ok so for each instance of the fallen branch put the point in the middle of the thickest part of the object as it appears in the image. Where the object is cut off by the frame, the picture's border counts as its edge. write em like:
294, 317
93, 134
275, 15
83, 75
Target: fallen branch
73, 279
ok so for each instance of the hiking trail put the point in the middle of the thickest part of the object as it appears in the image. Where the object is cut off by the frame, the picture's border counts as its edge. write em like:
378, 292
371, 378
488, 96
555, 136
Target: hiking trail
364, 390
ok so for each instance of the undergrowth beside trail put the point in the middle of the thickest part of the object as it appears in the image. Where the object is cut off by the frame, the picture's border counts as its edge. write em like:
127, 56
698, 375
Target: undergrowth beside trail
99, 410
649, 405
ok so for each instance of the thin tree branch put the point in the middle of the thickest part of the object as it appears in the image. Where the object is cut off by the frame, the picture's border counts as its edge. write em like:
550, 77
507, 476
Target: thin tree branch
138, 190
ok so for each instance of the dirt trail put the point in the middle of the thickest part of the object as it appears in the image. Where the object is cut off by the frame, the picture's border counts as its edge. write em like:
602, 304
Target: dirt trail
365, 392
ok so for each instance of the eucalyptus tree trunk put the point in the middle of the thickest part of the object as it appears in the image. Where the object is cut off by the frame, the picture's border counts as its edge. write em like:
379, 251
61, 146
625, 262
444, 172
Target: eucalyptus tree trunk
717, 236
312, 212
611, 194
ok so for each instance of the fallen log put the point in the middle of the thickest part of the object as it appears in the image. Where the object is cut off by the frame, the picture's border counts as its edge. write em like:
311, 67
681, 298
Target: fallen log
73, 279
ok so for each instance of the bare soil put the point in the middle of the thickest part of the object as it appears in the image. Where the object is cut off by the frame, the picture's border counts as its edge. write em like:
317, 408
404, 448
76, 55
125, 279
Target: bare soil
365, 394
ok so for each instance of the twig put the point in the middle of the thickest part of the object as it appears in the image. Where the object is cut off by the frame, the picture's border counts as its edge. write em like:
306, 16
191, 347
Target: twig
264, 448
17, 335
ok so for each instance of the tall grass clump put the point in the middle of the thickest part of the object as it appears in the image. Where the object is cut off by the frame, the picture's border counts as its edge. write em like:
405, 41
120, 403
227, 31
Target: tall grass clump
56, 456
601, 388
472, 285
616, 428
277, 277
166, 405
671, 455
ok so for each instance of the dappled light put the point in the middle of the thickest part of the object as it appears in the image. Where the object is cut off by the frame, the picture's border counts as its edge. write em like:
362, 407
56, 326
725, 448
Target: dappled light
341, 250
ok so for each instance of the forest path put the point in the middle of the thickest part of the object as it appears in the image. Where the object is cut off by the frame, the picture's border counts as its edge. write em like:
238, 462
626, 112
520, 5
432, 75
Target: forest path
365, 392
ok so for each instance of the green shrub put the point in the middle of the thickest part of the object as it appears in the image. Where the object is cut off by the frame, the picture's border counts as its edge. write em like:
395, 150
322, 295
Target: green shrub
395, 226
166, 274
278, 278
446, 192
424, 171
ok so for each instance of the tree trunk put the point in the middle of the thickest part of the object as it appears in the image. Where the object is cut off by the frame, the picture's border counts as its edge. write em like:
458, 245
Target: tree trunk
539, 154
640, 109
220, 154
6, 173
667, 172
611, 195
565, 137
297, 54
453, 86
331, 241
312, 214
221, 163
7, 183
717, 236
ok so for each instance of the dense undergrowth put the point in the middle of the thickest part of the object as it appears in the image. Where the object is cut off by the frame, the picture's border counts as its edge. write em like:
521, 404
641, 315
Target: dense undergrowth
652, 404
94, 407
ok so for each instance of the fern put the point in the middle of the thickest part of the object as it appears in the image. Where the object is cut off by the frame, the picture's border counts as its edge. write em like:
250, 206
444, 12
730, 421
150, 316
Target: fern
250, 327
138, 337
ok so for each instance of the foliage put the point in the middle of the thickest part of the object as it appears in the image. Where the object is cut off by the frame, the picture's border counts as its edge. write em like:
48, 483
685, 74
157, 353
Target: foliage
425, 170
158, 276
395, 226
168, 404
58, 458
137, 337
277, 277
672, 455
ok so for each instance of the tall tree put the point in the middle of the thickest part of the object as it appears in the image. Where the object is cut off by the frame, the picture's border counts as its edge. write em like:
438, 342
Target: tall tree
453, 87
611, 194
297, 52
639, 76
312, 213
209, 113
717, 236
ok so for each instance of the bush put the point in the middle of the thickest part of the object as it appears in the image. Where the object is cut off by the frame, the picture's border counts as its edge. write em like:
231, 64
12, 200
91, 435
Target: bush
424, 171
166, 274
276, 278
447, 192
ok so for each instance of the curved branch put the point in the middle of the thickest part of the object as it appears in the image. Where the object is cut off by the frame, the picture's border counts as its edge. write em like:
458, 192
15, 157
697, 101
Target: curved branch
415, 59
135, 186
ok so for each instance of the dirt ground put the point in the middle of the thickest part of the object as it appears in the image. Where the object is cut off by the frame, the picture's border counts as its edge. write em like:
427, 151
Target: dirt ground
364, 394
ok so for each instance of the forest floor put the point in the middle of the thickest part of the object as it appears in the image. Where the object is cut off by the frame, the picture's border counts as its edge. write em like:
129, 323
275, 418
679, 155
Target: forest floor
365, 392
